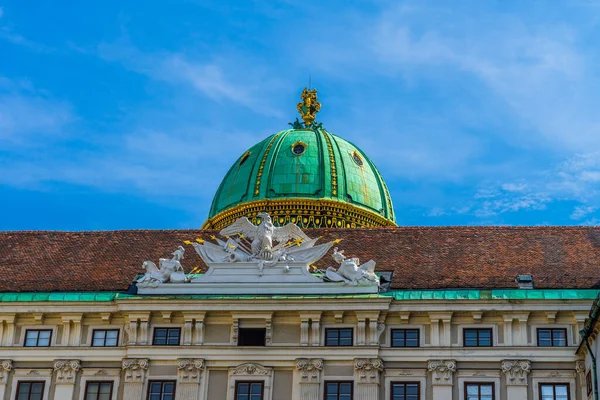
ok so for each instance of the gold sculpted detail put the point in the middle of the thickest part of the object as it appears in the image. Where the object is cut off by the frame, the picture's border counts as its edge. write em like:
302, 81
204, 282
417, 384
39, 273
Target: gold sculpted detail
309, 106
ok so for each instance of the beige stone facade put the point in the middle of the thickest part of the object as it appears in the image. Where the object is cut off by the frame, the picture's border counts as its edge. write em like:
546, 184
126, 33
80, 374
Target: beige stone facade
295, 362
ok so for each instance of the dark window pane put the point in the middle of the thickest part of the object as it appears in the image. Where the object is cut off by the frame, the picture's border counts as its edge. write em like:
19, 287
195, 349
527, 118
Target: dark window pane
544, 337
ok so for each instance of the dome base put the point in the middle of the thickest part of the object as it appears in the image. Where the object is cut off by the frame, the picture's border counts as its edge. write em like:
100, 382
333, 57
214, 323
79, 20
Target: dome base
306, 213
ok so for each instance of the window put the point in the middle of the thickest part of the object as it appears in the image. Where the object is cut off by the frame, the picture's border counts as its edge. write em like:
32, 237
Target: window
338, 390
338, 337
405, 338
588, 382
38, 338
299, 148
30, 390
552, 337
251, 336
248, 390
98, 390
166, 336
105, 337
554, 391
405, 391
480, 337
479, 391
161, 390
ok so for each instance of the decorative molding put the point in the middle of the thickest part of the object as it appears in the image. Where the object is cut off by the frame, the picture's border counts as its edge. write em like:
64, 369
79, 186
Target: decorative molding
479, 373
404, 372
580, 367
5, 367
101, 372
310, 369
66, 370
235, 327
251, 369
135, 369
268, 331
33, 372
441, 371
368, 369
516, 371
553, 374
189, 370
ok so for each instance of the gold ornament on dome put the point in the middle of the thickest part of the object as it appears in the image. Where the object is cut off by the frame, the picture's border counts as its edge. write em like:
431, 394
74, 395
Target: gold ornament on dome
309, 106
306, 213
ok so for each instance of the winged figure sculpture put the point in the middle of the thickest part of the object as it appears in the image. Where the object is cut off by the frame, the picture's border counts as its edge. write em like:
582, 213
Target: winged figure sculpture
263, 235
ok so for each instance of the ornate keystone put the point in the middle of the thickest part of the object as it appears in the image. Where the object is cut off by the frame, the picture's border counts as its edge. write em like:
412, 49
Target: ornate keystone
5, 367
251, 369
189, 370
310, 369
66, 370
442, 371
368, 369
135, 369
516, 371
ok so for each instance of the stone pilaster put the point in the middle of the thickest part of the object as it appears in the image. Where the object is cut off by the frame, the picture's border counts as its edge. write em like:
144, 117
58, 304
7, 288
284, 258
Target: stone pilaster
189, 375
442, 378
310, 377
516, 372
367, 372
580, 369
5, 367
66, 374
134, 377
235, 327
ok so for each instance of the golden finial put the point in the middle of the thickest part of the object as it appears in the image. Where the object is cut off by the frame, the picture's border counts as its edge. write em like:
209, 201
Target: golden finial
309, 107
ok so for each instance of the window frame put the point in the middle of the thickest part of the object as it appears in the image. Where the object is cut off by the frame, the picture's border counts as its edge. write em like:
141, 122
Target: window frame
38, 337
262, 384
392, 383
339, 329
85, 393
479, 384
552, 336
554, 384
167, 328
464, 336
105, 330
162, 381
19, 382
392, 330
338, 382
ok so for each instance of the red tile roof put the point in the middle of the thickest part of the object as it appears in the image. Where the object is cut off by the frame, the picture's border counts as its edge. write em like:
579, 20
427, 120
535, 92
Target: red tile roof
421, 257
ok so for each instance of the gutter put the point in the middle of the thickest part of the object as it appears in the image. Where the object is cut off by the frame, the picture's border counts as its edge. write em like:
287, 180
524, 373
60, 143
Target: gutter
585, 334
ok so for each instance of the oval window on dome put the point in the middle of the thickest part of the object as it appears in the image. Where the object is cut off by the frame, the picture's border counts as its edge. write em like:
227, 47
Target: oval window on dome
244, 158
357, 158
299, 148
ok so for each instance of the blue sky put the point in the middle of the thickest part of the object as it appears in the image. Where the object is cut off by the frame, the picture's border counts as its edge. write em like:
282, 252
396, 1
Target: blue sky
126, 114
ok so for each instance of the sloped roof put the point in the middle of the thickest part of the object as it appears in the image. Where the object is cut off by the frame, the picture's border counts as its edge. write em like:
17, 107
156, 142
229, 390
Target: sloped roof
421, 257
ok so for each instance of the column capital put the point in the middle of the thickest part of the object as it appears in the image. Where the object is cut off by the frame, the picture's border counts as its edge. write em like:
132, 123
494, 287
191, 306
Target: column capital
516, 371
368, 369
580, 367
310, 369
5, 367
66, 370
135, 369
441, 371
189, 370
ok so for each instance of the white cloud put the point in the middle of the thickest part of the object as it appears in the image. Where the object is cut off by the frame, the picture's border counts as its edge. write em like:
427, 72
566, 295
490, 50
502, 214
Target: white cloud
581, 212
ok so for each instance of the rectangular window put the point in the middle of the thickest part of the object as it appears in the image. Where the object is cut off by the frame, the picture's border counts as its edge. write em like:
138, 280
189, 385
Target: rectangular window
338, 390
479, 391
38, 337
251, 336
480, 337
105, 337
98, 390
552, 337
588, 382
338, 337
554, 391
405, 390
249, 390
166, 336
30, 390
161, 390
405, 338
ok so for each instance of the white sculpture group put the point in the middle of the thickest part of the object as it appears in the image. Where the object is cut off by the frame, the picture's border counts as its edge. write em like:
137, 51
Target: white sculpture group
265, 246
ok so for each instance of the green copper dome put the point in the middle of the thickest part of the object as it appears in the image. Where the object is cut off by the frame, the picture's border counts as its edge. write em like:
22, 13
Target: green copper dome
307, 176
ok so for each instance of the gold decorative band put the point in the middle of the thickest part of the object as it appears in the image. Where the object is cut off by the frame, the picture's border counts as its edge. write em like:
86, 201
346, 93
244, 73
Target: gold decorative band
306, 213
